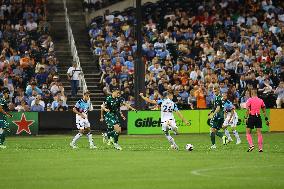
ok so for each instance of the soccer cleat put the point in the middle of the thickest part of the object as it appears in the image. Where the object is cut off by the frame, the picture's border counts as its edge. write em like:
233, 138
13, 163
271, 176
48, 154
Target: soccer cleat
260, 150
105, 139
250, 149
213, 147
174, 147
225, 140
116, 146
2, 146
230, 140
238, 142
73, 145
92, 146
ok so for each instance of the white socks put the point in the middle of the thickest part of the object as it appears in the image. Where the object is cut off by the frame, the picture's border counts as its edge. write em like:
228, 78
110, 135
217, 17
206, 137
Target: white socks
90, 137
227, 133
236, 135
76, 138
171, 140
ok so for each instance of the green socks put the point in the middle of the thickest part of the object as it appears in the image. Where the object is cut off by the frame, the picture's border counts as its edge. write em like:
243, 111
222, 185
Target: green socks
2, 138
212, 136
116, 135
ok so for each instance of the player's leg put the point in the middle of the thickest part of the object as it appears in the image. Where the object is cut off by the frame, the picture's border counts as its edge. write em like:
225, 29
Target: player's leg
236, 134
3, 127
234, 128
76, 137
110, 121
219, 122
225, 126
80, 127
170, 124
117, 131
89, 135
2, 138
226, 131
212, 137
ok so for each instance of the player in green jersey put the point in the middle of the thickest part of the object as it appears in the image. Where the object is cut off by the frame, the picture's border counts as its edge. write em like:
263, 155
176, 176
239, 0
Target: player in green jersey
216, 117
3, 113
110, 112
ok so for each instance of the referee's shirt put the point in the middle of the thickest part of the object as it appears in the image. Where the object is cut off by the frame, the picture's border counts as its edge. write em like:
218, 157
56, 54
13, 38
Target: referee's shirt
254, 104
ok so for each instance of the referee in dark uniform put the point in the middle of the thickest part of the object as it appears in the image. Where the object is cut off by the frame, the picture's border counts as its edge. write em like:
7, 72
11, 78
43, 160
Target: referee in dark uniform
253, 105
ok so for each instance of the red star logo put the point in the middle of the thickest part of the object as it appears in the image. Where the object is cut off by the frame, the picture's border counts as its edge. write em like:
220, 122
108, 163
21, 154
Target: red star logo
23, 124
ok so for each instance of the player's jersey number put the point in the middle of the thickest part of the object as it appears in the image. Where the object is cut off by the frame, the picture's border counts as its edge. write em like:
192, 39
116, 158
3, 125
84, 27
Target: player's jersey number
167, 108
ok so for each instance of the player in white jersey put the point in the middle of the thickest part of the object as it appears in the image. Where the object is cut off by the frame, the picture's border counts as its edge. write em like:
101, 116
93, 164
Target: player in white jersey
83, 125
231, 119
167, 117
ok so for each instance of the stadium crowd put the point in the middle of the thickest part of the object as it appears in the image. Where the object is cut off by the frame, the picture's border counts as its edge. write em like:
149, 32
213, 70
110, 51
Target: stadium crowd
28, 66
97, 4
190, 47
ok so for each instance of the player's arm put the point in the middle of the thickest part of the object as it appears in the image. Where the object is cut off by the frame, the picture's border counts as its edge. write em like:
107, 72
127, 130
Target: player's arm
4, 112
215, 112
129, 106
147, 99
182, 118
79, 113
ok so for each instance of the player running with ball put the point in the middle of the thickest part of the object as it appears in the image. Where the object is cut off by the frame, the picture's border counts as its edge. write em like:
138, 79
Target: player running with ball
167, 117
110, 112
3, 113
81, 110
231, 119
216, 118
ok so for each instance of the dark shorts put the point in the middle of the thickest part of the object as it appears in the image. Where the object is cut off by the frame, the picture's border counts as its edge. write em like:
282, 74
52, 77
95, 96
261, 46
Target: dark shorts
216, 122
254, 122
111, 120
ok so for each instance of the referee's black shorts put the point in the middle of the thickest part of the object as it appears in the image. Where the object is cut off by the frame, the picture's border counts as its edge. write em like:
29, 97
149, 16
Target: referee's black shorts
254, 121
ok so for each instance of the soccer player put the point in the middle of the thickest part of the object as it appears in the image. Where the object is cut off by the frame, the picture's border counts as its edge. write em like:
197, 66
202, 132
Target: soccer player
167, 117
3, 113
216, 117
110, 112
254, 104
81, 110
231, 119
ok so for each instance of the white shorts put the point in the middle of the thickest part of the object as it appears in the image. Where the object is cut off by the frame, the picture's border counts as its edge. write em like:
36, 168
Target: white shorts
233, 122
168, 124
82, 123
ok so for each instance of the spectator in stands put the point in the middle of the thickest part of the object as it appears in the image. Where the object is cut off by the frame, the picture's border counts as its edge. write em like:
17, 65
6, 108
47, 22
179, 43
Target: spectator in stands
32, 88
73, 75
280, 94
209, 45
37, 107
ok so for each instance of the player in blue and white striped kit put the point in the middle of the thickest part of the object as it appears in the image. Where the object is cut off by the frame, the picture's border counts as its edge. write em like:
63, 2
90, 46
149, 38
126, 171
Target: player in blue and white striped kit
231, 119
81, 109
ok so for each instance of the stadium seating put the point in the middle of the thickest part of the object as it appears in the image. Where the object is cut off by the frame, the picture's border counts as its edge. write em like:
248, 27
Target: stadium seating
28, 65
190, 47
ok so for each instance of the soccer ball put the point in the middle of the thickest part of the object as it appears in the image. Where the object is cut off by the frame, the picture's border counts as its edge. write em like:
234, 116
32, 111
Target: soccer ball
189, 147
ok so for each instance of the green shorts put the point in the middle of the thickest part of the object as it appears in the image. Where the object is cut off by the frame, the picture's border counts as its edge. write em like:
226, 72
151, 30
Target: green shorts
111, 119
3, 124
217, 122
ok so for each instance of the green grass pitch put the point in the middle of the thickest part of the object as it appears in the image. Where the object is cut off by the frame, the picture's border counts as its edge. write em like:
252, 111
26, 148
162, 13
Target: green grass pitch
47, 162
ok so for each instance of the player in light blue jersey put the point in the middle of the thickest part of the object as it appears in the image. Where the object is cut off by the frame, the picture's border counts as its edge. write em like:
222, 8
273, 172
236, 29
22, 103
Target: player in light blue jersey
167, 117
83, 125
231, 119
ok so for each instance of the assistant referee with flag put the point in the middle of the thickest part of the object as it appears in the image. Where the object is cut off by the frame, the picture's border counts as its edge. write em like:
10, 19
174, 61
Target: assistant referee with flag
253, 105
